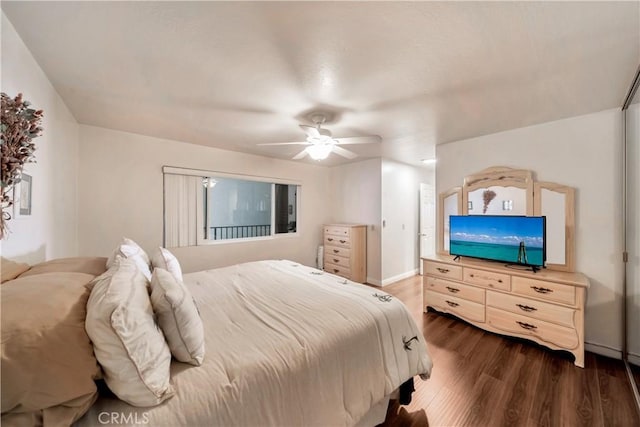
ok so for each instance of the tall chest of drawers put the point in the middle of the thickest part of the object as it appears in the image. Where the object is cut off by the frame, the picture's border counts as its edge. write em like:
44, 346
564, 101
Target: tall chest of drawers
345, 251
546, 307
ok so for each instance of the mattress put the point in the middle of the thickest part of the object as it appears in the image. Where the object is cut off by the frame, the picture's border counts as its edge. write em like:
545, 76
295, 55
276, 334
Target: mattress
286, 345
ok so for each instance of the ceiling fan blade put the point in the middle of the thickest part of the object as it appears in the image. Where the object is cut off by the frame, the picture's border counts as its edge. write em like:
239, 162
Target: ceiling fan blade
310, 130
300, 155
285, 143
359, 140
344, 153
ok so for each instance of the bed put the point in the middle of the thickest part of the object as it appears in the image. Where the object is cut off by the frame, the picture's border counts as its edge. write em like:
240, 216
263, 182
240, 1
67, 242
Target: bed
286, 345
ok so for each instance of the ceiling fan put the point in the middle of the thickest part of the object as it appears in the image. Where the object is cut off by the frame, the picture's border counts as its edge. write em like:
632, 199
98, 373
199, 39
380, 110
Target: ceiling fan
320, 143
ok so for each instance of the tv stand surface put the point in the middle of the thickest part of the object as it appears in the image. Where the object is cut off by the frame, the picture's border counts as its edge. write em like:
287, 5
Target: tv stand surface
546, 307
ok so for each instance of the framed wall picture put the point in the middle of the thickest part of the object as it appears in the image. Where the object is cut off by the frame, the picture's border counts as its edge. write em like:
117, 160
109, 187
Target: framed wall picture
22, 196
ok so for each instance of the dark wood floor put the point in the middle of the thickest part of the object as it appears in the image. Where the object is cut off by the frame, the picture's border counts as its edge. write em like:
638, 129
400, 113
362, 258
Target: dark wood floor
483, 379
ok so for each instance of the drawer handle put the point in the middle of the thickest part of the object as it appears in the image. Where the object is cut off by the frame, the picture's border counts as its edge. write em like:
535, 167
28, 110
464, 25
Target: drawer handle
335, 270
335, 251
542, 290
442, 270
486, 278
451, 303
336, 260
526, 308
527, 326
453, 290
330, 239
343, 241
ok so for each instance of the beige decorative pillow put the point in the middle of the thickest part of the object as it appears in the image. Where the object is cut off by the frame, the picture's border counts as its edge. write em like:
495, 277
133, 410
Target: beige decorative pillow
126, 341
9, 270
167, 261
178, 317
89, 265
48, 365
130, 249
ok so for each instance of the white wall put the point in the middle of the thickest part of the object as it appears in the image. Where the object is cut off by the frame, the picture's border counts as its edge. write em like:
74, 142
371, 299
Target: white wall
400, 213
50, 231
583, 152
355, 197
374, 190
120, 187
633, 231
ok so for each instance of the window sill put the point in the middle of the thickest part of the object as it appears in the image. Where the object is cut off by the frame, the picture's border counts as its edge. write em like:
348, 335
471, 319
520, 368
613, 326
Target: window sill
248, 239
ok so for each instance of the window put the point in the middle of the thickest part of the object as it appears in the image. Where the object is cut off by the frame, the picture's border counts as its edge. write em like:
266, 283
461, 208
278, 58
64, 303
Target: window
216, 207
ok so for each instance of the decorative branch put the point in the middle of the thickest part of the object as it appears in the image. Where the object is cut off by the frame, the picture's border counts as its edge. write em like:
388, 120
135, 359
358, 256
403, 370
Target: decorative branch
20, 124
487, 197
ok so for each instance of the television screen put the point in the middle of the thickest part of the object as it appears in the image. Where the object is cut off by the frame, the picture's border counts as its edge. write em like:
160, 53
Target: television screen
512, 239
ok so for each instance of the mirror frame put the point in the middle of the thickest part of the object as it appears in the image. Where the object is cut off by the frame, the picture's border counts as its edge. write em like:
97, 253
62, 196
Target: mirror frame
569, 221
441, 198
499, 176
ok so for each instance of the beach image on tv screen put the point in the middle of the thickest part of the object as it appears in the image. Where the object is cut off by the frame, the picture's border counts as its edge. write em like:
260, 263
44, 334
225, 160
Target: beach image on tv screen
517, 240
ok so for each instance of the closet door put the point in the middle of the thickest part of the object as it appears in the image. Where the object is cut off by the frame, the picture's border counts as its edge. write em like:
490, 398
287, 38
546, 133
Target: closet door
632, 236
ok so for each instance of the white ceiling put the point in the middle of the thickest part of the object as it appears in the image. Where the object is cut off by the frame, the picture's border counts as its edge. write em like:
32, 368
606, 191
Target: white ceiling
236, 74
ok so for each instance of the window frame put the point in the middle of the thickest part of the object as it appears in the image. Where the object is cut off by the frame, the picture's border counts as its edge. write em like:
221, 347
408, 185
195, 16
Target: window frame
202, 173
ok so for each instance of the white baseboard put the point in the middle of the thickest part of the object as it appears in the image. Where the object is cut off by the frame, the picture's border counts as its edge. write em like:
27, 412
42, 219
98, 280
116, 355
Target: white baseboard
634, 358
397, 277
603, 350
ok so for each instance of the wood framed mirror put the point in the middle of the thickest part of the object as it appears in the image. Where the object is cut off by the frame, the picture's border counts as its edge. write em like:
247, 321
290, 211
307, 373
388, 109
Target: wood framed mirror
506, 191
498, 191
556, 202
449, 203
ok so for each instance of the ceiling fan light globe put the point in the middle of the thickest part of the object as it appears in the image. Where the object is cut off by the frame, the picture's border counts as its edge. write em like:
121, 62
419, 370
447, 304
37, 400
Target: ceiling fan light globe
319, 151
209, 182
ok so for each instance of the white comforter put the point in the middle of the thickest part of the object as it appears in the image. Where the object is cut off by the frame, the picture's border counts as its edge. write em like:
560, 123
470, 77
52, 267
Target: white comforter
286, 345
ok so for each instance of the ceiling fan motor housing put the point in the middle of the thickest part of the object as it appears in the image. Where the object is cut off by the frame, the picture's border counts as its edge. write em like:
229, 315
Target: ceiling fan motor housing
318, 117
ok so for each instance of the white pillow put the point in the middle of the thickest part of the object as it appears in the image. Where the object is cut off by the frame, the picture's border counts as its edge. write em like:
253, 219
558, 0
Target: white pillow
167, 261
126, 341
130, 249
178, 317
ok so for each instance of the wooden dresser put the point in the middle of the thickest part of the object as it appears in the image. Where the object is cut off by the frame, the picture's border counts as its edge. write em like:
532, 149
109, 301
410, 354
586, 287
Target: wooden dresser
546, 307
345, 251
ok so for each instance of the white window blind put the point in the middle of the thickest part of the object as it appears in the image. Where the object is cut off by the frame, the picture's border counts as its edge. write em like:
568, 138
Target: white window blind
181, 204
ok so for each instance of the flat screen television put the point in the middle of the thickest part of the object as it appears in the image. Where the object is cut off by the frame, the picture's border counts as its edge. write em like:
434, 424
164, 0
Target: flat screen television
511, 239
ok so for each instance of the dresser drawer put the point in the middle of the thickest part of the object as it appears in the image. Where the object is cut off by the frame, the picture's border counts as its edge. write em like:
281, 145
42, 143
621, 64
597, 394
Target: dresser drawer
527, 327
336, 230
330, 251
331, 240
340, 270
456, 289
460, 307
443, 270
544, 290
532, 308
337, 260
487, 279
